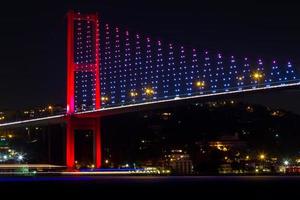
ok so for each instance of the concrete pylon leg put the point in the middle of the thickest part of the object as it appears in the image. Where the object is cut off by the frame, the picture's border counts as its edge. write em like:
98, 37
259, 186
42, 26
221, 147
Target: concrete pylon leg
83, 124
70, 154
97, 143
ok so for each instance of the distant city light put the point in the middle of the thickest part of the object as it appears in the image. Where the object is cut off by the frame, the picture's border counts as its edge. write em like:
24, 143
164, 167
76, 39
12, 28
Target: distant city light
262, 156
133, 94
286, 162
240, 78
20, 157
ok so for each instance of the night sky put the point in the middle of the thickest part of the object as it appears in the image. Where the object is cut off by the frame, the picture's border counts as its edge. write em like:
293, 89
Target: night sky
33, 39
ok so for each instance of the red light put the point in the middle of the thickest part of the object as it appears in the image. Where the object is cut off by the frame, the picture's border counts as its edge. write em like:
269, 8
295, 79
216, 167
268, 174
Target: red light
72, 68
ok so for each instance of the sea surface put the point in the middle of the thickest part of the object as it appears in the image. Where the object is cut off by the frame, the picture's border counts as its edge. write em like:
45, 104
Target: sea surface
153, 187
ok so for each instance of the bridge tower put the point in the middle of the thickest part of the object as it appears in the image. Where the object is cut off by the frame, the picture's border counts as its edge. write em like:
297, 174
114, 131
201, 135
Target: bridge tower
82, 57
83, 80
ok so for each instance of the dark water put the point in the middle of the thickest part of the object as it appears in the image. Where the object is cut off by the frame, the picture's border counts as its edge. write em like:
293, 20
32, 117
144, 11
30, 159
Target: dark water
140, 187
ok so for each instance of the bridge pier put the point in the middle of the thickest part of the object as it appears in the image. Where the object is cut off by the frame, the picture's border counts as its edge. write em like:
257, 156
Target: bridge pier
74, 124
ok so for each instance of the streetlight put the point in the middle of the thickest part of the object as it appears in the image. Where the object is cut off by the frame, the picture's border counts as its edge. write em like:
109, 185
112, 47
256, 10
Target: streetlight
104, 99
149, 91
133, 94
50, 109
257, 76
200, 84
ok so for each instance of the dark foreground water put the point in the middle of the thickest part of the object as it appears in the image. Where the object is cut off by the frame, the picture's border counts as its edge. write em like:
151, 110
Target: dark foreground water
140, 187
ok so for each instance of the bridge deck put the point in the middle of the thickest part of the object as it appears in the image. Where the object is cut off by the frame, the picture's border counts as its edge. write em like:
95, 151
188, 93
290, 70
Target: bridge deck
137, 107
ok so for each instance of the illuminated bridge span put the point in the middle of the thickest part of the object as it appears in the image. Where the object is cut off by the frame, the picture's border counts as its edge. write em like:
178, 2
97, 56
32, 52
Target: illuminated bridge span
109, 67
111, 70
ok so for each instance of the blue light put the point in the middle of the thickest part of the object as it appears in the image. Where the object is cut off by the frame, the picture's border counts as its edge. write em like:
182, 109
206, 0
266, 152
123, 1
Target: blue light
132, 62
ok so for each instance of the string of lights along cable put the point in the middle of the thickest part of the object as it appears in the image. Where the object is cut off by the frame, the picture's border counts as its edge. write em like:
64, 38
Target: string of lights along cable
135, 68
86, 57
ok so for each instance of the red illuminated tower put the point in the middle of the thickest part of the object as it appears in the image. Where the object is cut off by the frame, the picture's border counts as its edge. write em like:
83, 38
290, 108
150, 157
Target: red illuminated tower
76, 65
73, 67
